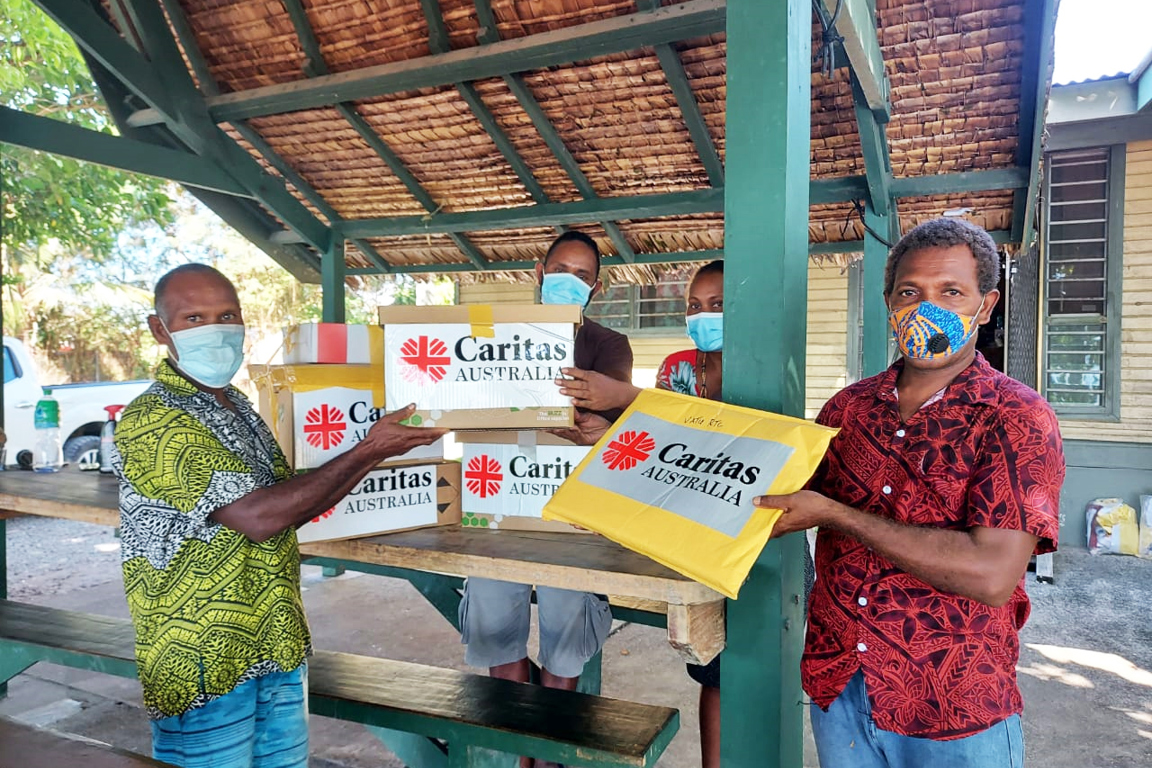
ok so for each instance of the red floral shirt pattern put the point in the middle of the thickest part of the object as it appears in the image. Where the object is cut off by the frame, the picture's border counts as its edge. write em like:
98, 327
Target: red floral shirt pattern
987, 453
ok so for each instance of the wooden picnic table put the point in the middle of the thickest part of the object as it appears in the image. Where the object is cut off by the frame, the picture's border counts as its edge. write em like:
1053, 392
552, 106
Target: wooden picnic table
22, 746
637, 585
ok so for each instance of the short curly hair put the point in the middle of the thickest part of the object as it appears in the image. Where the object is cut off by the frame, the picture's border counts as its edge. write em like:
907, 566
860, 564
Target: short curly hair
943, 233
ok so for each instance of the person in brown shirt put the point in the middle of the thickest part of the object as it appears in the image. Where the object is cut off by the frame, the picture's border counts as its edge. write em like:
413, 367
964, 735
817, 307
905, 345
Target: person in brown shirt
495, 615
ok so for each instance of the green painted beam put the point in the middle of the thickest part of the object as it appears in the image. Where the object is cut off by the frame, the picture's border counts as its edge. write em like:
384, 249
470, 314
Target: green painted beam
94, 35
677, 79
412, 749
663, 204
768, 135
855, 20
874, 148
964, 181
246, 216
559, 150
410, 182
315, 66
332, 274
520, 266
181, 105
875, 311
308, 191
489, 34
549, 214
546, 49
60, 138
438, 43
1036, 80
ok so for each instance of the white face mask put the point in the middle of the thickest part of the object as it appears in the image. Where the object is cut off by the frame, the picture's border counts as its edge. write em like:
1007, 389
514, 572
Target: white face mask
209, 354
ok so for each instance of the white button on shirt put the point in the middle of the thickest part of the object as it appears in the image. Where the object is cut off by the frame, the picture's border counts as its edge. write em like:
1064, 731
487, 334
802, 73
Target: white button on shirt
862, 601
861, 647
899, 433
887, 489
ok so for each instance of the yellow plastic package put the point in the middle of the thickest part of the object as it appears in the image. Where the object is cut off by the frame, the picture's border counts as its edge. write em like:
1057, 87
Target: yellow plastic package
674, 479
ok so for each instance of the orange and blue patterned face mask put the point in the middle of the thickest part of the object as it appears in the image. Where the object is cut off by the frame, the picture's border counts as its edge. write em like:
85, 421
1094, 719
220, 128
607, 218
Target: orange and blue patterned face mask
925, 331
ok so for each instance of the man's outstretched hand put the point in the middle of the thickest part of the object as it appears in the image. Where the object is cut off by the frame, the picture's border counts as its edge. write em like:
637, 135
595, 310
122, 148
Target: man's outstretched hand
388, 437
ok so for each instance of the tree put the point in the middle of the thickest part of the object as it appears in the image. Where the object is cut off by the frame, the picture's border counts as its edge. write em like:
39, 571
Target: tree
52, 205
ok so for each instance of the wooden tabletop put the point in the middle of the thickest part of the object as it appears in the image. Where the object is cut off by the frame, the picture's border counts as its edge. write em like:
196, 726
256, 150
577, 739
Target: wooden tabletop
572, 561
22, 746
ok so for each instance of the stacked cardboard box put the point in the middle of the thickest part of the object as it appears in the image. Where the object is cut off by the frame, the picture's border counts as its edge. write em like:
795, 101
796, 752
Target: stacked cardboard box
318, 411
489, 372
480, 367
508, 477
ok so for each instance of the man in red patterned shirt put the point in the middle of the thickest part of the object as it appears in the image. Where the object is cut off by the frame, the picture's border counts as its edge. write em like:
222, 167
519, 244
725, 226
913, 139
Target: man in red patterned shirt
943, 481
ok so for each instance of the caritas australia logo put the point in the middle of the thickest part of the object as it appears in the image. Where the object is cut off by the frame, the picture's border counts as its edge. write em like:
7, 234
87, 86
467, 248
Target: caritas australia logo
483, 476
326, 427
720, 475
426, 360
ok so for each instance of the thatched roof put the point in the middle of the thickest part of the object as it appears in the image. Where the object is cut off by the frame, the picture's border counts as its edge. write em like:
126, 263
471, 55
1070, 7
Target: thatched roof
956, 69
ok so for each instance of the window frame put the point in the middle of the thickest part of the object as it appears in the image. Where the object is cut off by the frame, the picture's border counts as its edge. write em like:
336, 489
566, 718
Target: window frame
634, 300
1109, 409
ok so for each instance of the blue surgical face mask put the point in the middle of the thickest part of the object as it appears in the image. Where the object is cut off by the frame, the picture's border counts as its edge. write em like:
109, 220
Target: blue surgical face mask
209, 354
564, 288
706, 329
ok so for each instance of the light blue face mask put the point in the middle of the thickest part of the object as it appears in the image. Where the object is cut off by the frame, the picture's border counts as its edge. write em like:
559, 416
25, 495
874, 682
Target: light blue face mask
564, 288
209, 354
706, 329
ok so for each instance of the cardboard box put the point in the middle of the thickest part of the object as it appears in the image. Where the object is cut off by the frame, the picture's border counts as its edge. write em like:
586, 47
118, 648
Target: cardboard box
510, 476
318, 412
333, 343
480, 366
675, 476
391, 499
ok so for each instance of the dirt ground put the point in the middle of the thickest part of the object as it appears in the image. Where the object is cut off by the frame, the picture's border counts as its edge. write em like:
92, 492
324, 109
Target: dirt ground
1085, 667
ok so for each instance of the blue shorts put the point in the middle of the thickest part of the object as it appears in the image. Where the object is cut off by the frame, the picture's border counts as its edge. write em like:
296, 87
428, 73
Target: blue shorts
847, 737
263, 723
495, 617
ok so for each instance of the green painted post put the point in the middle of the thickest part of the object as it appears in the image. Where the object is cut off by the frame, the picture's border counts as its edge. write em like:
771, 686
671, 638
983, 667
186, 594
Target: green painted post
3, 557
765, 316
332, 270
592, 674
875, 335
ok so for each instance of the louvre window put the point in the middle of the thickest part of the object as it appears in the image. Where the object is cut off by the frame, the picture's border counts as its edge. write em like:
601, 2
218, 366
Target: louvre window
1081, 319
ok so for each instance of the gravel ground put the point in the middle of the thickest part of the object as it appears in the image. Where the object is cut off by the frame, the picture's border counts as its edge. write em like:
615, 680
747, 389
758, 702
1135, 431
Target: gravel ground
49, 556
1085, 666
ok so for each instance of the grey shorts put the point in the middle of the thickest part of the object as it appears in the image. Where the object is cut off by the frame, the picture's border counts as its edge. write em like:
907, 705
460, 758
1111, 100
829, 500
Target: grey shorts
495, 617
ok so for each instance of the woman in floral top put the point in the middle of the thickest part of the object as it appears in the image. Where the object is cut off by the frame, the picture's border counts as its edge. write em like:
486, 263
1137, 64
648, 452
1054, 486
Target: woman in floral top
698, 371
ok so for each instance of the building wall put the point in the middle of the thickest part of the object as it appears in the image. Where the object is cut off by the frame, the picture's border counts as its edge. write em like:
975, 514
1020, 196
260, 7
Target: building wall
827, 365
1135, 424
827, 331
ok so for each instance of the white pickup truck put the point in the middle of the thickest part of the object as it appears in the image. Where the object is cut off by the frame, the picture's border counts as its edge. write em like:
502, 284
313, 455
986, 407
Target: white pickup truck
82, 411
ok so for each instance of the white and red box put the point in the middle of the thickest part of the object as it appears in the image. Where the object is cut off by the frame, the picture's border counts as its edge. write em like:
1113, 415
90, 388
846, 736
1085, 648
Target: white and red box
480, 367
333, 343
391, 499
318, 412
508, 477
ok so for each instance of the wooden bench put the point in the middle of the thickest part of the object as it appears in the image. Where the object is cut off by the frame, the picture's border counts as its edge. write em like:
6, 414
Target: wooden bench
469, 712
28, 747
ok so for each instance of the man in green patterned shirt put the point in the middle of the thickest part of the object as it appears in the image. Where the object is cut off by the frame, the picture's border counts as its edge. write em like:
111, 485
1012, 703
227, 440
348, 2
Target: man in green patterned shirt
208, 516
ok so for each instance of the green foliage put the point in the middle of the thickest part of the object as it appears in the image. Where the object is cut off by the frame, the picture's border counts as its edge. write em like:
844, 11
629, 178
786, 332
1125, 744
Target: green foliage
47, 198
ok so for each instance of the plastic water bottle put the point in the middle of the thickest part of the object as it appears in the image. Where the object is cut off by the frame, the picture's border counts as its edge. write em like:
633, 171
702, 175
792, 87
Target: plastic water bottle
107, 437
47, 454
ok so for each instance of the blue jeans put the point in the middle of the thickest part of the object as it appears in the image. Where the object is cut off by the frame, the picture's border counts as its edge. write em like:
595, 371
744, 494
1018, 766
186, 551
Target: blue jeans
263, 723
847, 737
